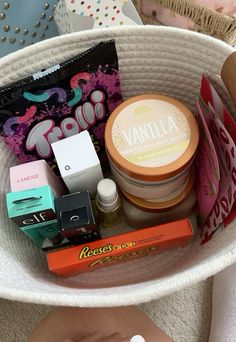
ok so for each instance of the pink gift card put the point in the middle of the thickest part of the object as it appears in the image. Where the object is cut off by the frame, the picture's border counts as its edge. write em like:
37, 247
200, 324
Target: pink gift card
226, 151
208, 175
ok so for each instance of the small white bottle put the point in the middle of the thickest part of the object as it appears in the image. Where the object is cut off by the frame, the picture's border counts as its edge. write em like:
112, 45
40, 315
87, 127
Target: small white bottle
108, 205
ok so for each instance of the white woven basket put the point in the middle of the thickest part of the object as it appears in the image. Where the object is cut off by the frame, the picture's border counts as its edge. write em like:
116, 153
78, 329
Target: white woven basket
152, 59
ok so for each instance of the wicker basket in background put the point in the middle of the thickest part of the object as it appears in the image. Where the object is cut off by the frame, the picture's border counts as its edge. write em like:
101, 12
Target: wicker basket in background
205, 20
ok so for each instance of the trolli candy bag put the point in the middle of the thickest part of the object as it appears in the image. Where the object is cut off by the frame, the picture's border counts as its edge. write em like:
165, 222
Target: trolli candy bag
61, 101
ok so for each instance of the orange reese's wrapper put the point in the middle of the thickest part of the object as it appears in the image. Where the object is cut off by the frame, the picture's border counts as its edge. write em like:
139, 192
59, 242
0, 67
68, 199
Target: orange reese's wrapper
119, 248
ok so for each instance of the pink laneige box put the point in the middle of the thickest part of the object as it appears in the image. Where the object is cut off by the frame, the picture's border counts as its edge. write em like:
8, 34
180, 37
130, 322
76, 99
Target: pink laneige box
34, 175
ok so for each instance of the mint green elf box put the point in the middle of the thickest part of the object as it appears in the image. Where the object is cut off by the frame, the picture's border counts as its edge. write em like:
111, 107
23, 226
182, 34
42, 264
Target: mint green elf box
34, 212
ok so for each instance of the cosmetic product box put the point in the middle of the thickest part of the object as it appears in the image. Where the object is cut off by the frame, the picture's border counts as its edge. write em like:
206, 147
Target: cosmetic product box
76, 218
71, 16
78, 163
45, 235
33, 175
119, 248
34, 213
30, 207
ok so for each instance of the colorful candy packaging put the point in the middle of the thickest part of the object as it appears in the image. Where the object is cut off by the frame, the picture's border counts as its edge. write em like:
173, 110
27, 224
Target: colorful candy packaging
61, 101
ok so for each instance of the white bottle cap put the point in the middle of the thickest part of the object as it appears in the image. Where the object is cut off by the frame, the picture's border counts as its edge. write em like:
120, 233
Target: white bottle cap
137, 338
107, 195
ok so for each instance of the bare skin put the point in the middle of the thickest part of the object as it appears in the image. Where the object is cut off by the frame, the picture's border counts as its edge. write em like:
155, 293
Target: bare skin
97, 325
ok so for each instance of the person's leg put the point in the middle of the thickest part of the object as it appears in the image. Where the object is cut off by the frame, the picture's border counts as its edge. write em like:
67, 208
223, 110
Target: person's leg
93, 325
223, 323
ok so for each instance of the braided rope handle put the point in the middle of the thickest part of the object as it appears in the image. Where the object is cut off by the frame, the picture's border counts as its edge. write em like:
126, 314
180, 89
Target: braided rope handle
205, 20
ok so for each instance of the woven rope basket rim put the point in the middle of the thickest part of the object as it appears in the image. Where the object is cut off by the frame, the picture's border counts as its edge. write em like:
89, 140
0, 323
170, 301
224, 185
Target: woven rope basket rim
205, 20
140, 292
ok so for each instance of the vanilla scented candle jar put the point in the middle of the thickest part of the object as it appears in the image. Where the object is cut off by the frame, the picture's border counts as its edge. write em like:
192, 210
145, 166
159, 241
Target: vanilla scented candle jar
151, 141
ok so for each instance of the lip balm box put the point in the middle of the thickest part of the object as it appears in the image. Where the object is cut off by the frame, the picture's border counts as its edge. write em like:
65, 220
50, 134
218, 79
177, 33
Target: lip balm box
34, 175
30, 207
120, 248
75, 216
78, 162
